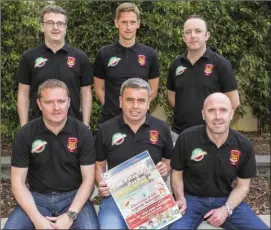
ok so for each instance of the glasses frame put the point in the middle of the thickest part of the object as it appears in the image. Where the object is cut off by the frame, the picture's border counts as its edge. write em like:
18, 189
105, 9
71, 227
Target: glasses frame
61, 25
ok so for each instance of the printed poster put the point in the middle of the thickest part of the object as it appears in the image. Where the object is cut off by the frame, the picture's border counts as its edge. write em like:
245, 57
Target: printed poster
141, 193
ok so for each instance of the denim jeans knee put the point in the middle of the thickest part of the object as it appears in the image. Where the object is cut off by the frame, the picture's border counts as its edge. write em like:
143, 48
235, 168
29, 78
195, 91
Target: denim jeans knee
109, 216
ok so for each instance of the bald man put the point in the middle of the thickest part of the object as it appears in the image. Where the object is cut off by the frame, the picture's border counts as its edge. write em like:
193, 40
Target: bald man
206, 160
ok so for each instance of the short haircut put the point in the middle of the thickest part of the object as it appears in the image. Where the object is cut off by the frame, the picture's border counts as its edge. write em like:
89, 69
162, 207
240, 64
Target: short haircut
127, 7
53, 9
52, 84
197, 16
135, 83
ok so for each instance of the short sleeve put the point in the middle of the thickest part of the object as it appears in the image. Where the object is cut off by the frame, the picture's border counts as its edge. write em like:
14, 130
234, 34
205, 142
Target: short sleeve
178, 158
227, 78
20, 151
23, 74
87, 152
86, 71
100, 149
154, 70
99, 69
248, 167
170, 77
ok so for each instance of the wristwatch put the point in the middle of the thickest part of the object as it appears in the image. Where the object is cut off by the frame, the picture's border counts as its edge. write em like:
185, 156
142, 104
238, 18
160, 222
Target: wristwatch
72, 215
229, 209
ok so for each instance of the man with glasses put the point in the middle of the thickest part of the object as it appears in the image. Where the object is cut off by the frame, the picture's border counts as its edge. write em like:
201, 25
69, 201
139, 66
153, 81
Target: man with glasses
54, 59
195, 75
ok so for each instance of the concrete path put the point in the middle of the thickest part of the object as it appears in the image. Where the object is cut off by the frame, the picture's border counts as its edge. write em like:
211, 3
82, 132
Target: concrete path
204, 224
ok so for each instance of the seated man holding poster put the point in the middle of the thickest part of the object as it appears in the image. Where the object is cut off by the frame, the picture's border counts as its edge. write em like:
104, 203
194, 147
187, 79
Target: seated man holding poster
205, 162
125, 136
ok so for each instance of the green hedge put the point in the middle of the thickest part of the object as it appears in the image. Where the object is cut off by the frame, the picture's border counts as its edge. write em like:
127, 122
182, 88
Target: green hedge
239, 30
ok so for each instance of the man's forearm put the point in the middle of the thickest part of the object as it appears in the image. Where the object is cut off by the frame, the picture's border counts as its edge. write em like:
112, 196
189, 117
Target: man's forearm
153, 95
81, 197
25, 199
177, 184
236, 196
100, 94
23, 108
86, 105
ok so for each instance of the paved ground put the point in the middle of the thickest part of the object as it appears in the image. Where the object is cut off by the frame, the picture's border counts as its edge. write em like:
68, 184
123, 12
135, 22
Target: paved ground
204, 225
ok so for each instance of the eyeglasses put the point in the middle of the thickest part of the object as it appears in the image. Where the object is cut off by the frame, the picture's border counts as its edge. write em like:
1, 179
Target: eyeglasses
51, 24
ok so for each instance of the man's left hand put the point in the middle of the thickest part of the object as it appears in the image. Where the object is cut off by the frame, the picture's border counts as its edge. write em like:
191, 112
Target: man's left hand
162, 168
217, 216
61, 222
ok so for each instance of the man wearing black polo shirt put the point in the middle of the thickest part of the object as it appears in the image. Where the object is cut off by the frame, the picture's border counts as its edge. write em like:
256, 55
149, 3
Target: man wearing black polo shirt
54, 59
195, 75
206, 160
125, 136
126, 59
56, 153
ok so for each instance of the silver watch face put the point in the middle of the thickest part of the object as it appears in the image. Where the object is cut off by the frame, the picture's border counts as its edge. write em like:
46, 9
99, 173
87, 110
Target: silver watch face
72, 215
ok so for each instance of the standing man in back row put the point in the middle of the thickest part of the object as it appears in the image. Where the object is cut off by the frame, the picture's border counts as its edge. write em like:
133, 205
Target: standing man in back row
54, 59
123, 60
195, 75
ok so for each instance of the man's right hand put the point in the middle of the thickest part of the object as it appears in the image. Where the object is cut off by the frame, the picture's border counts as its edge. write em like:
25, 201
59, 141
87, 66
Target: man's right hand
103, 189
43, 223
182, 205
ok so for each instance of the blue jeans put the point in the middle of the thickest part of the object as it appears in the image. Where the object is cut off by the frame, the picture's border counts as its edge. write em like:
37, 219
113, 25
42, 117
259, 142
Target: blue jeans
109, 215
54, 204
242, 218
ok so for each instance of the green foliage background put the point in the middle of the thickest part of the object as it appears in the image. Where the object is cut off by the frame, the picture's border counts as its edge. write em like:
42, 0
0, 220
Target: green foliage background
239, 30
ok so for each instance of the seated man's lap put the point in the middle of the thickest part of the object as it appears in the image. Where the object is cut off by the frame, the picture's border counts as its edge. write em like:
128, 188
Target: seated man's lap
87, 217
109, 215
243, 217
196, 209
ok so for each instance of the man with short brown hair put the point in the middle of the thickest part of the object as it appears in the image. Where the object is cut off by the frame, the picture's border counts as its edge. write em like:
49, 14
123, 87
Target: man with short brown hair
56, 153
194, 75
54, 59
126, 59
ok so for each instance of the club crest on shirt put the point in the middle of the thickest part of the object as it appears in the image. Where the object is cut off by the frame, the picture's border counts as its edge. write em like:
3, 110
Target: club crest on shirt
180, 70
208, 69
113, 61
72, 144
38, 146
40, 61
198, 154
71, 61
141, 60
118, 138
154, 134
234, 157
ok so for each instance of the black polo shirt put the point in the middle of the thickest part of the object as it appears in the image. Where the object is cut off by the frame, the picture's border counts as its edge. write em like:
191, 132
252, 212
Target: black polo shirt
115, 64
53, 161
116, 142
209, 171
68, 64
193, 83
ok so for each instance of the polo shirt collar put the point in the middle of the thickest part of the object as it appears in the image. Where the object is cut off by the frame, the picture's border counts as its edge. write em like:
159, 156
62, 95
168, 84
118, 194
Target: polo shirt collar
67, 127
122, 122
205, 139
207, 54
121, 48
44, 47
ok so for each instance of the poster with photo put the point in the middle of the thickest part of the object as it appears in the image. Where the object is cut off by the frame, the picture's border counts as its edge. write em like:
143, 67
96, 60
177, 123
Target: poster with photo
141, 194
